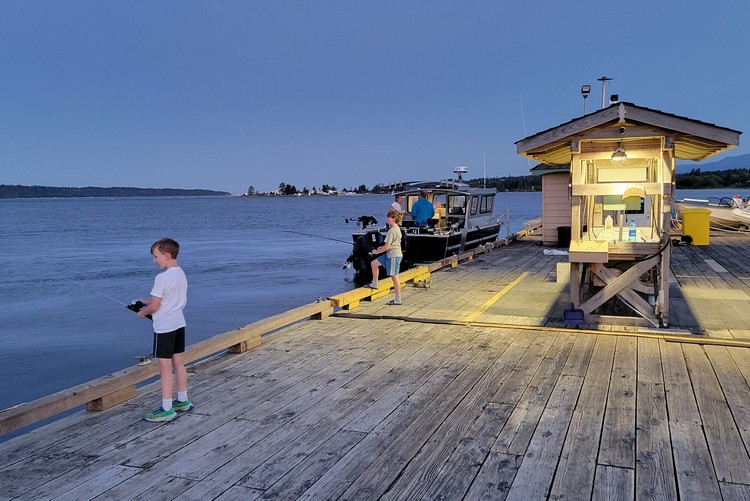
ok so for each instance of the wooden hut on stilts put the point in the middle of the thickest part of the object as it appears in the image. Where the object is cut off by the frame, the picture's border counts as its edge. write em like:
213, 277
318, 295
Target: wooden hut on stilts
621, 182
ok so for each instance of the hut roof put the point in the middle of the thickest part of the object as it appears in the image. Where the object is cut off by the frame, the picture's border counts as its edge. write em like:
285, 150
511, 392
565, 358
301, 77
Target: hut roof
692, 139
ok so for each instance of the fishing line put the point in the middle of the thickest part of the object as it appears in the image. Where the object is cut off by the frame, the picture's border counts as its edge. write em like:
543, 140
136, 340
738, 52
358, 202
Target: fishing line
318, 236
97, 291
134, 305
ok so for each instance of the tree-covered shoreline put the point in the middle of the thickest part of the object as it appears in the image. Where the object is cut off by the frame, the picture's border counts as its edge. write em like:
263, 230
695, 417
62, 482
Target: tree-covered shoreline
19, 191
695, 179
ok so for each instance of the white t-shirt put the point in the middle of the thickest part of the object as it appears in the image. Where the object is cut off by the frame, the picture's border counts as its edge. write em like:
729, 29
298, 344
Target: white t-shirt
171, 286
396, 206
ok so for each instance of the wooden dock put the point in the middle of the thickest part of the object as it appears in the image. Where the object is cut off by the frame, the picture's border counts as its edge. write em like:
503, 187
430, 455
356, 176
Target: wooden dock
470, 390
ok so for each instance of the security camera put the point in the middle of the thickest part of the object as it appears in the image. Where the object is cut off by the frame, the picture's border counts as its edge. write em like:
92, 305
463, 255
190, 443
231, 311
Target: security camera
621, 130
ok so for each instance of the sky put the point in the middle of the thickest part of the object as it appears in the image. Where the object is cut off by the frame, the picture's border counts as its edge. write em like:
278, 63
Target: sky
224, 95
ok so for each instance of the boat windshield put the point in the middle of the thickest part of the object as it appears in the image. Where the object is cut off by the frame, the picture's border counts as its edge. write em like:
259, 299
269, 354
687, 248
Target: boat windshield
456, 204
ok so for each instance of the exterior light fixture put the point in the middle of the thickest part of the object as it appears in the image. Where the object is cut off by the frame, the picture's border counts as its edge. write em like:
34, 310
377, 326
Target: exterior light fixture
634, 191
585, 90
619, 154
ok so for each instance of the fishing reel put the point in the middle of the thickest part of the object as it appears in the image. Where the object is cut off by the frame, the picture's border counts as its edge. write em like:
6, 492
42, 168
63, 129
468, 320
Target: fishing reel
136, 306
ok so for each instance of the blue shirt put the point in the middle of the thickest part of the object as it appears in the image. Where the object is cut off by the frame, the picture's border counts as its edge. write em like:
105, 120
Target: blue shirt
421, 211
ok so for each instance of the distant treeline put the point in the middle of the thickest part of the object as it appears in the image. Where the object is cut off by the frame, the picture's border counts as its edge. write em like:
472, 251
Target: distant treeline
17, 191
732, 178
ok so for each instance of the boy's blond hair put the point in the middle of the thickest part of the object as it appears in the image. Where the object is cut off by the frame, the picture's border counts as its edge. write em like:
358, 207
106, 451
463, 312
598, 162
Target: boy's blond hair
397, 215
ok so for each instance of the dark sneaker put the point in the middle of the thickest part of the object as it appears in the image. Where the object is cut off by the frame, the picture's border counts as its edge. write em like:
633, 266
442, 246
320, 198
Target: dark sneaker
393, 302
161, 415
185, 406
371, 286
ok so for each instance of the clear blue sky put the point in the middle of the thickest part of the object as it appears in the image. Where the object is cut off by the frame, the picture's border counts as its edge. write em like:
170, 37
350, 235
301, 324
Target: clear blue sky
226, 94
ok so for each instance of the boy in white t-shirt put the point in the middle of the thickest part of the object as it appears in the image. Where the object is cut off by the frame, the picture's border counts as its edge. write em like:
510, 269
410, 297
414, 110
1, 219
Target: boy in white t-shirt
168, 299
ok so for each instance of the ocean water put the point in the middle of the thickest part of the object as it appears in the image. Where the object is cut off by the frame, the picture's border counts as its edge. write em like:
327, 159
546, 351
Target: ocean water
70, 265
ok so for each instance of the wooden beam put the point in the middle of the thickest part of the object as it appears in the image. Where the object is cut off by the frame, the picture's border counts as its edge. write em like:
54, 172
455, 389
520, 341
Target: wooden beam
618, 284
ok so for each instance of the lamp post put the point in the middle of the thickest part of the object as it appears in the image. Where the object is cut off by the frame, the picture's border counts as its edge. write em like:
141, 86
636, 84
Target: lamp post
604, 81
585, 89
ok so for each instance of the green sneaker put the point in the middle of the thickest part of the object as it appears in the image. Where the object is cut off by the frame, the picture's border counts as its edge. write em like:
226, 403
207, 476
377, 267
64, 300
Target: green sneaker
185, 406
161, 415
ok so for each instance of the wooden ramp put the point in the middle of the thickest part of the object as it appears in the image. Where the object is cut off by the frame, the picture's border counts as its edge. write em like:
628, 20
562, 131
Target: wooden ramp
441, 398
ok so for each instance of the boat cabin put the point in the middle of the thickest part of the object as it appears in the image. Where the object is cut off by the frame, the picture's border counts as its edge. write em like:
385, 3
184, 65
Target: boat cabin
620, 166
454, 204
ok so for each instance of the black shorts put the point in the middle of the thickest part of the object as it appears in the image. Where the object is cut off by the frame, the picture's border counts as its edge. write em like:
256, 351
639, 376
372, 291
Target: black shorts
167, 344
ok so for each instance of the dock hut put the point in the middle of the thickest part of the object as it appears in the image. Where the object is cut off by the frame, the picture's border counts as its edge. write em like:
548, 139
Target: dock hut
621, 174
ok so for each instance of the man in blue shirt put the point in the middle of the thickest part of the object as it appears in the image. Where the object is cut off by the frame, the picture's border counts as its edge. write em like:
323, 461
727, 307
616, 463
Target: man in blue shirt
422, 210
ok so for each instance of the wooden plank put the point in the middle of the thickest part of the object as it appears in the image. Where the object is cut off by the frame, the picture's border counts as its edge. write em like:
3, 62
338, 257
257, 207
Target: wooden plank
495, 477
654, 469
613, 483
734, 388
458, 472
111, 399
577, 464
730, 458
618, 433
734, 492
695, 474
681, 403
537, 469
515, 436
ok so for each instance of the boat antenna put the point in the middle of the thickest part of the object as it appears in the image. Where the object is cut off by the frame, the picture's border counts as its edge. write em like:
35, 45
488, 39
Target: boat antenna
523, 121
484, 159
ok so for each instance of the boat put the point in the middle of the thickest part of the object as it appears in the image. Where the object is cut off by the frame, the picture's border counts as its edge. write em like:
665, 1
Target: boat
463, 220
726, 213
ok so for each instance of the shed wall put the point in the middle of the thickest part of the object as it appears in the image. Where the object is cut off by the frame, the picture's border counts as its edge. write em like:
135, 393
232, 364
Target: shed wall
556, 205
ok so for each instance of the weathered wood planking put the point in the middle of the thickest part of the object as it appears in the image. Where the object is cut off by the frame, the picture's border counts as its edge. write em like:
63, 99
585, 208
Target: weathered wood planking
369, 408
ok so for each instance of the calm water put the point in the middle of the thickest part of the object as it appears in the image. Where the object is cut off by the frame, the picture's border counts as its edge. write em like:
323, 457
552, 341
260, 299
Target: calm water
60, 257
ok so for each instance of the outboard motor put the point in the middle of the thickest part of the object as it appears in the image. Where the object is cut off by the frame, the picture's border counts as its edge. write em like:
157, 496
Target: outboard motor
360, 259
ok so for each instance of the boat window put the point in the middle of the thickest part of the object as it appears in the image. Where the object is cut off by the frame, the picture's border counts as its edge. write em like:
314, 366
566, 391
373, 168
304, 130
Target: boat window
438, 202
486, 205
410, 201
456, 205
474, 204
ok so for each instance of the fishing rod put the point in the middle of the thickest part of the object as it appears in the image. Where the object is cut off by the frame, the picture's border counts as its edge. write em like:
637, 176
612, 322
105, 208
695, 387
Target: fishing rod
318, 236
135, 305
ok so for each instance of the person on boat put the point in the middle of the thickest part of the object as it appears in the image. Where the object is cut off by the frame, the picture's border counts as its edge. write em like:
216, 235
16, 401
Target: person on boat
737, 201
168, 299
399, 199
422, 210
389, 255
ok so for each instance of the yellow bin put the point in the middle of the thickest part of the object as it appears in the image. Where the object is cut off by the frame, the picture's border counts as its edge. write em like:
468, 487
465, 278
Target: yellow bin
696, 223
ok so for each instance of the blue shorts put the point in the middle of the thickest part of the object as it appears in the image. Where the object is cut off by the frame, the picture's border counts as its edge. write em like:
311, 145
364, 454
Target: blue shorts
392, 265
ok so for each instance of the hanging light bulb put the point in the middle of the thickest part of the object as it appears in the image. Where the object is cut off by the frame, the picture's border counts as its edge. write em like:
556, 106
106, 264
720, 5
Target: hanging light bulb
619, 154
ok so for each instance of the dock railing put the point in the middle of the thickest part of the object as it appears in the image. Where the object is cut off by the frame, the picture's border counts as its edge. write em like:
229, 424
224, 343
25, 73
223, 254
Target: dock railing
113, 389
